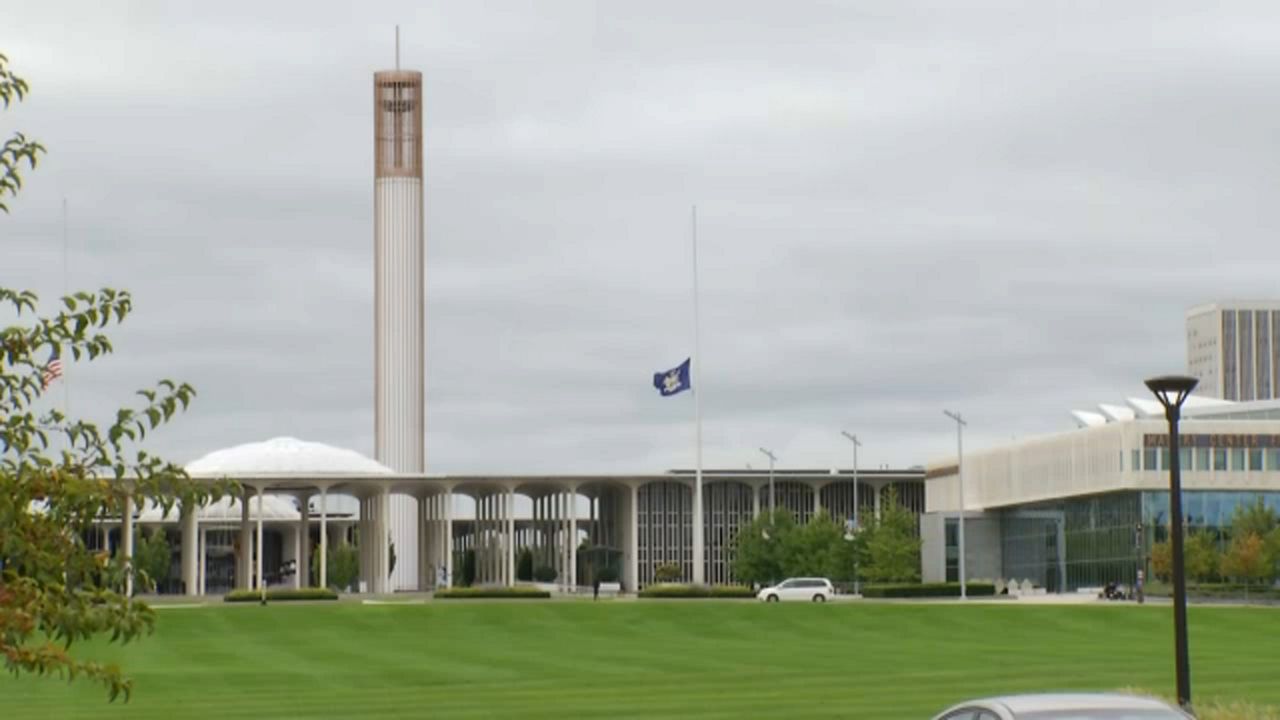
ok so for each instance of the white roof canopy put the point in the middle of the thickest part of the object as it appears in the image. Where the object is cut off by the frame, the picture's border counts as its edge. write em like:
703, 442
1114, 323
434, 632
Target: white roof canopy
285, 457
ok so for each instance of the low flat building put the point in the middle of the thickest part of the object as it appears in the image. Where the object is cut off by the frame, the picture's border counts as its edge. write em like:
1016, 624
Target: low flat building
315, 497
1081, 508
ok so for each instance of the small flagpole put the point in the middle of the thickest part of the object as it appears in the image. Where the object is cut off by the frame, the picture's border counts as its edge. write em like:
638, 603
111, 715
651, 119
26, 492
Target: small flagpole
699, 568
66, 273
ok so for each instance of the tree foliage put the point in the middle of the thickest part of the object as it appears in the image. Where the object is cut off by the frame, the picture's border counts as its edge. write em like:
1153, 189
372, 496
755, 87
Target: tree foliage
54, 591
342, 566
760, 548
892, 544
17, 148
1245, 559
1199, 557
152, 557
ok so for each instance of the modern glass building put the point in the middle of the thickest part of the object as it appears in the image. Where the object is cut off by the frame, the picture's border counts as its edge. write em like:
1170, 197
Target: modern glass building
1082, 508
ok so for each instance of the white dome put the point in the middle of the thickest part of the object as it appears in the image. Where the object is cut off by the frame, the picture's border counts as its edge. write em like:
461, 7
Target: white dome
274, 507
284, 456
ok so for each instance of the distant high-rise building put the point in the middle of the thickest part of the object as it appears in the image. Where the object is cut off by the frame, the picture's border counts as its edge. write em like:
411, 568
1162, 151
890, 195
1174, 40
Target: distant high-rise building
1234, 348
398, 309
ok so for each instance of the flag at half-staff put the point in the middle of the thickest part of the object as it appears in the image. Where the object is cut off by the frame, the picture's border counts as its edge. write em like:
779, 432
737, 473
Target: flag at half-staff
674, 380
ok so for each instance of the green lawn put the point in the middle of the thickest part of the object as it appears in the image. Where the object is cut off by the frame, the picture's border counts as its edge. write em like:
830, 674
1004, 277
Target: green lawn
649, 659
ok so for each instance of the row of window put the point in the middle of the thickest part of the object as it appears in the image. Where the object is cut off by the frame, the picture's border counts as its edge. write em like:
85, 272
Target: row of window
1206, 459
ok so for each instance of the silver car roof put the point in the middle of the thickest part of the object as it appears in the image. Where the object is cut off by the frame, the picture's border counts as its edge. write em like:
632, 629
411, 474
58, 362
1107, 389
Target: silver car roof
1077, 701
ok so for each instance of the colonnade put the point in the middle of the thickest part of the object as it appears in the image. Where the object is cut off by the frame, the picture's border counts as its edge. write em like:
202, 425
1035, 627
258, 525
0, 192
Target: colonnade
641, 522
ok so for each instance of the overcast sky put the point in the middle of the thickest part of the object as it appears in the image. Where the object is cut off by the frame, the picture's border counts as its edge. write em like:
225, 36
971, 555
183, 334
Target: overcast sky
1001, 208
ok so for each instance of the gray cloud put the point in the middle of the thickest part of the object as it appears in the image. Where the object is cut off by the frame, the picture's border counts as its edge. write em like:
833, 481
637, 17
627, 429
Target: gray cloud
905, 206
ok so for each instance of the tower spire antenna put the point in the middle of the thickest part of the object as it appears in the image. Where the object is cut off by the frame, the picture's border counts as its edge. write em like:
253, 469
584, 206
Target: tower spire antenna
397, 47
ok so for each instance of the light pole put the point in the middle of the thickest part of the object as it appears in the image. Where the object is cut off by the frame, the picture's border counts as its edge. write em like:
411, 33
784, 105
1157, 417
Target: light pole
772, 460
1172, 391
854, 439
960, 425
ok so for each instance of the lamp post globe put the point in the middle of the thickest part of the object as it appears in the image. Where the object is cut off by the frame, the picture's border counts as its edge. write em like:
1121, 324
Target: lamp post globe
1172, 391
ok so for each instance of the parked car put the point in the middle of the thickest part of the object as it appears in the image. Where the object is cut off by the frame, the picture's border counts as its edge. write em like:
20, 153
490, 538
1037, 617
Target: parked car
1064, 706
807, 589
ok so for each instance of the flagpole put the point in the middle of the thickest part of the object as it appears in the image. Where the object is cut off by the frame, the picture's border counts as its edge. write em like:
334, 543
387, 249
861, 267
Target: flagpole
66, 384
699, 565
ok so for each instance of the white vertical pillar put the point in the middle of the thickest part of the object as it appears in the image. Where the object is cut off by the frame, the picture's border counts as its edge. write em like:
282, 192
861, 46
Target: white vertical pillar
755, 502
384, 538
297, 555
204, 553
324, 537
190, 543
304, 541
422, 504
243, 560
448, 537
877, 489
817, 499
633, 538
511, 537
126, 540
573, 538
262, 589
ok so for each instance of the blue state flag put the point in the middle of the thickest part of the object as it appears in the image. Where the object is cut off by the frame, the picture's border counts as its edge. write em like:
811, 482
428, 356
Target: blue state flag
674, 380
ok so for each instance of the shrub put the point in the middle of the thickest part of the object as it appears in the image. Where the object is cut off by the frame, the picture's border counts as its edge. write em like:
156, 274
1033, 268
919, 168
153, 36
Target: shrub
524, 565
608, 574
152, 557
667, 573
545, 574
682, 590
468, 568
281, 595
343, 566
509, 593
918, 590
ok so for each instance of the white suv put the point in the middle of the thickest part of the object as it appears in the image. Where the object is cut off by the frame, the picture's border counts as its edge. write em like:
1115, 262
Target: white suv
807, 589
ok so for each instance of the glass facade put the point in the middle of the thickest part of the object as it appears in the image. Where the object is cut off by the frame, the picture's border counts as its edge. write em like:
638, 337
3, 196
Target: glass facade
1073, 543
1089, 541
1205, 509
953, 549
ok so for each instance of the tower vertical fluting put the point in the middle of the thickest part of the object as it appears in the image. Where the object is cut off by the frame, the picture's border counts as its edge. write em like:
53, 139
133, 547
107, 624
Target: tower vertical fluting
399, 302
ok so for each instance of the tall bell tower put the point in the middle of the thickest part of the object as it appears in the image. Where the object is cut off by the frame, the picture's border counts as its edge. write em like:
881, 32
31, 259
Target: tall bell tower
399, 302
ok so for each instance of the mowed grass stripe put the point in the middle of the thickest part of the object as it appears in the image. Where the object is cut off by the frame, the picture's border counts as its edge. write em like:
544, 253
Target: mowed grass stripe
704, 659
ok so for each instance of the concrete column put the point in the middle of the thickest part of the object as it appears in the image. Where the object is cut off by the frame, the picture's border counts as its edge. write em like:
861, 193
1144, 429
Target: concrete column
563, 529
755, 502
632, 567
877, 503
324, 537
258, 550
304, 543
243, 562
384, 503
511, 537
190, 548
424, 542
126, 542
448, 537
817, 499
297, 555
573, 538
204, 553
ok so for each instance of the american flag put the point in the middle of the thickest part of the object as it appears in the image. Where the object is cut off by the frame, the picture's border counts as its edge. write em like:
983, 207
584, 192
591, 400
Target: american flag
52, 370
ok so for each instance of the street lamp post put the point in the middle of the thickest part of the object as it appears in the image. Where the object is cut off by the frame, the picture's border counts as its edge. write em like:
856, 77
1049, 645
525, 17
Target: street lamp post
854, 439
1172, 391
960, 425
772, 460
